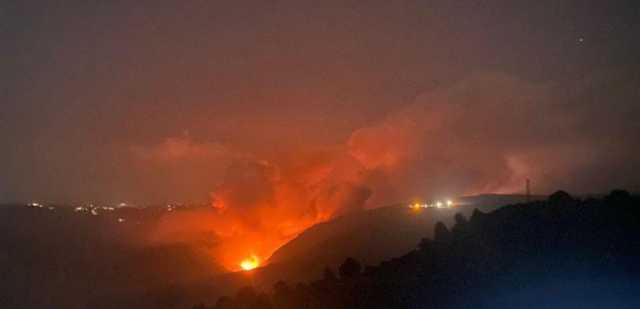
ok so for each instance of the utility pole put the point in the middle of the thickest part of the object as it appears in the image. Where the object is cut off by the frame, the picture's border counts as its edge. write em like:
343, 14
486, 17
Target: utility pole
528, 190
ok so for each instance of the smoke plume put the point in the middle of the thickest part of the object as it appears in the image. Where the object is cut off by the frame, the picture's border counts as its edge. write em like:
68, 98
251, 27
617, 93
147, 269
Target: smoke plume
486, 133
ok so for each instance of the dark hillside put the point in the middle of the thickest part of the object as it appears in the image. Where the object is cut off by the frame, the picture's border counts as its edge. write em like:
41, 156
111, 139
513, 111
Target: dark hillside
370, 236
59, 258
558, 253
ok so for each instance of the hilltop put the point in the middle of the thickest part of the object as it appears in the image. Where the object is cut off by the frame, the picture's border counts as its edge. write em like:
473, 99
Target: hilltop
562, 252
371, 236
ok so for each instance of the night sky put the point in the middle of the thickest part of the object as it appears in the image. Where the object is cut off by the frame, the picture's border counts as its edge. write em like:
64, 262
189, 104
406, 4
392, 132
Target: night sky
315, 106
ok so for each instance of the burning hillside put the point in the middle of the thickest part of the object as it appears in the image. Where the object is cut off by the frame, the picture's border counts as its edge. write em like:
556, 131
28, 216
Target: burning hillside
263, 197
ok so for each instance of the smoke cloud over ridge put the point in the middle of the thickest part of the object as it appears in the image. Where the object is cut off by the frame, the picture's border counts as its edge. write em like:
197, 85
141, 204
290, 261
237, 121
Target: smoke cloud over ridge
486, 133
282, 114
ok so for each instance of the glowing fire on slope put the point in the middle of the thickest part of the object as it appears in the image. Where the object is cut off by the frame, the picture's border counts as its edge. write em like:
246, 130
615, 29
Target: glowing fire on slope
250, 263
261, 206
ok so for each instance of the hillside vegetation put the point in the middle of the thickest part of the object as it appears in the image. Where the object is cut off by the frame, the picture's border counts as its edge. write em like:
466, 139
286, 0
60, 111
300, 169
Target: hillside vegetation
557, 253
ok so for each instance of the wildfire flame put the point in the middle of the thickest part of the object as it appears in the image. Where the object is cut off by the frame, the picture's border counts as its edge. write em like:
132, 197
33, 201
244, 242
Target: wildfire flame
250, 263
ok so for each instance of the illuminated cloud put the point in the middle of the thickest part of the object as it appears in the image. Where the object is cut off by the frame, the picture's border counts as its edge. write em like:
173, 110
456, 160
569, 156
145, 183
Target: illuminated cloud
486, 133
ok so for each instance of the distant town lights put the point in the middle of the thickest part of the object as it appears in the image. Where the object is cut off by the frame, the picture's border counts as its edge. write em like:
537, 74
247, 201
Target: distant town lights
436, 204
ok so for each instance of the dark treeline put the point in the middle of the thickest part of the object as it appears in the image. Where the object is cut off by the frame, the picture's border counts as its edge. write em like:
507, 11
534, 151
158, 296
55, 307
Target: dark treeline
562, 252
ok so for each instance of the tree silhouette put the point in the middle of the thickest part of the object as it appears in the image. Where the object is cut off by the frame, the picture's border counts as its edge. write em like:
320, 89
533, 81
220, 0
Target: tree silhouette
224, 302
477, 216
441, 232
425, 244
329, 275
460, 224
350, 268
491, 253
560, 197
282, 295
618, 197
460, 219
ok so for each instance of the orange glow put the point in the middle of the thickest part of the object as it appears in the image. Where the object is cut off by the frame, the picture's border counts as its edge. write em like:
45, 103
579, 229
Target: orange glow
415, 207
250, 263
262, 204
